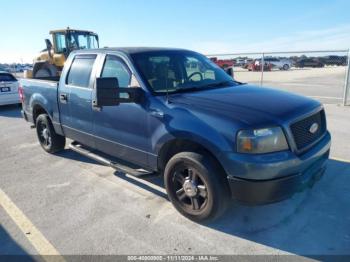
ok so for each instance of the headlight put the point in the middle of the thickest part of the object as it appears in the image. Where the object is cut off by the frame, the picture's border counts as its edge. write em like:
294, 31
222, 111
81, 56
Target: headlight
258, 141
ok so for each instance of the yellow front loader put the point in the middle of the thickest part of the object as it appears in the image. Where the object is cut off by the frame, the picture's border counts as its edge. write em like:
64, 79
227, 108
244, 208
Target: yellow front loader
50, 61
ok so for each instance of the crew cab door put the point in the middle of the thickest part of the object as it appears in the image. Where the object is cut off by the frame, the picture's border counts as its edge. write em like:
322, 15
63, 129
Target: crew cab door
75, 99
121, 130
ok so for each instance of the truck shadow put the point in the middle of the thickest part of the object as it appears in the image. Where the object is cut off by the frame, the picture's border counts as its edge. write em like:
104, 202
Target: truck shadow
10, 250
154, 178
313, 222
13, 111
71, 155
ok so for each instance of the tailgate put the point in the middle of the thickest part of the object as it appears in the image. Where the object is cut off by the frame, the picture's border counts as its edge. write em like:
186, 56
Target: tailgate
8, 87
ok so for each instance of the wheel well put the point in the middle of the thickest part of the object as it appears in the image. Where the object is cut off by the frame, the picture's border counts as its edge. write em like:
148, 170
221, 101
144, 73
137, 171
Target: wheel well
38, 110
175, 146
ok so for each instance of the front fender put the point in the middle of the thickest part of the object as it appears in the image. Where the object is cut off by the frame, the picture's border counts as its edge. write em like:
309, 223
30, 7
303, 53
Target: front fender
200, 129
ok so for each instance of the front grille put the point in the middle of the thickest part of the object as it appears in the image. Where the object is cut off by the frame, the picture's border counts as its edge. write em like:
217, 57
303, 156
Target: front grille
301, 130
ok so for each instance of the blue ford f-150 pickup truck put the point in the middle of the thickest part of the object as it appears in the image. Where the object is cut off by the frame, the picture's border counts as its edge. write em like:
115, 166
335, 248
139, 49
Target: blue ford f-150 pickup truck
175, 112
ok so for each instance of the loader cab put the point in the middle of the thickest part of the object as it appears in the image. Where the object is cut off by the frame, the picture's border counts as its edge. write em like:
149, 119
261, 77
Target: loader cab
49, 63
66, 41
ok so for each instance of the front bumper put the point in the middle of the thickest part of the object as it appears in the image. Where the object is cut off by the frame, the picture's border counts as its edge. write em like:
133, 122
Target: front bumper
270, 178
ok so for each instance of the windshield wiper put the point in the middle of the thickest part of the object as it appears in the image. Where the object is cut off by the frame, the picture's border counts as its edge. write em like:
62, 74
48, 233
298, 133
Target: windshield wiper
207, 86
187, 89
218, 84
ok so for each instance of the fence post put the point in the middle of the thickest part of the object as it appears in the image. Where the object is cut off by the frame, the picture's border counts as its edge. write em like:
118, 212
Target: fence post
346, 83
262, 69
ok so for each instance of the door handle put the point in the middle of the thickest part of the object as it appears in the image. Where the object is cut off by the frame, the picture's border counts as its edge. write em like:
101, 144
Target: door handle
157, 113
95, 107
63, 98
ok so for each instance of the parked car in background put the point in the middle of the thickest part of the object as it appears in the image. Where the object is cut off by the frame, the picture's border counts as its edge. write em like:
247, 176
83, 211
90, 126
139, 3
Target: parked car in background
27, 67
7, 69
256, 66
280, 63
309, 62
334, 60
223, 63
239, 62
18, 69
247, 62
8, 89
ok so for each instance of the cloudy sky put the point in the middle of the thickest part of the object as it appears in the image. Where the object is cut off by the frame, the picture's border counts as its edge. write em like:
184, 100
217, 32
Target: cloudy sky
207, 26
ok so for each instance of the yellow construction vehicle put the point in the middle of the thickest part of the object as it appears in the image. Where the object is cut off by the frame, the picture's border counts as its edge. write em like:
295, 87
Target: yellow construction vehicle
50, 61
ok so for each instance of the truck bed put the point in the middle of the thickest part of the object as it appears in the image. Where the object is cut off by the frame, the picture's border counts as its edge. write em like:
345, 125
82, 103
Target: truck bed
45, 91
51, 78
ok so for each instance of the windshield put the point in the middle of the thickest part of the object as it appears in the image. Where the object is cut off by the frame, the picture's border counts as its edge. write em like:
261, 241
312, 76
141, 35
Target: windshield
179, 71
80, 40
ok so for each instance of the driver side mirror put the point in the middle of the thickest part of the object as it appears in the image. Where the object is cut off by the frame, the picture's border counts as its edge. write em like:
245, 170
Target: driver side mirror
108, 93
229, 71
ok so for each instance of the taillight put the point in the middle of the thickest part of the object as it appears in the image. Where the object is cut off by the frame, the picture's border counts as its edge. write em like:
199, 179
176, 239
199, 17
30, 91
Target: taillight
21, 94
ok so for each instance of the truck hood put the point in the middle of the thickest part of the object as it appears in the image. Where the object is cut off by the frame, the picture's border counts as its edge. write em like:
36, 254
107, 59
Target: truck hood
248, 104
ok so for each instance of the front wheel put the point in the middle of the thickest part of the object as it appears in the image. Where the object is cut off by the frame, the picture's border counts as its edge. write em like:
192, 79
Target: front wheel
48, 139
196, 186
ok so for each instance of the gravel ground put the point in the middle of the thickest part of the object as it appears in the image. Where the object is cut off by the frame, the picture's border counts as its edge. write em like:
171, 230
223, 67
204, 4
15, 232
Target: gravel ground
326, 84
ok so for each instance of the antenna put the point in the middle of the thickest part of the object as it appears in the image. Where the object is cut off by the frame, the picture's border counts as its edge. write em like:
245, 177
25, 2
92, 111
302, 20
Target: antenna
166, 85
167, 91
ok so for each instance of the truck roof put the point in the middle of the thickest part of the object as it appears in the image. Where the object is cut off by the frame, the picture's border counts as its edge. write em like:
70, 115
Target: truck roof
129, 50
71, 30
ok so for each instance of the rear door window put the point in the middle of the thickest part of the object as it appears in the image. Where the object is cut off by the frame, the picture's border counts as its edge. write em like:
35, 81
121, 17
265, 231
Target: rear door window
80, 71
7, 78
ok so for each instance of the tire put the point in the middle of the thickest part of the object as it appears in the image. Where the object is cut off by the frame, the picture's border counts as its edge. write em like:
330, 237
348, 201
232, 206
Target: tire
43, 72
285, 67
46, 70
48, 139
196, 186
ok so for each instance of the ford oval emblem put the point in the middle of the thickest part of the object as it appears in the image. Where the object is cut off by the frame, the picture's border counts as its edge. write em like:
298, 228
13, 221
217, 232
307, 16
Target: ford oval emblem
313, 128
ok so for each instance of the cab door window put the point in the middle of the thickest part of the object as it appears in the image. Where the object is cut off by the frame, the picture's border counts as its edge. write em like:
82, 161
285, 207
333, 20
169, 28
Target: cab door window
115, 67
60, 40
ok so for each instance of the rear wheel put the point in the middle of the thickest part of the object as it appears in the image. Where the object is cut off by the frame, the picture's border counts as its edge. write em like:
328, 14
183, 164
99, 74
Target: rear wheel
45, 70
285, 67
42, 73
48, 139
196, 186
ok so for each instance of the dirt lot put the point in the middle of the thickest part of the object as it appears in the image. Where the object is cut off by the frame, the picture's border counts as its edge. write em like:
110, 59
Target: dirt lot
68, 204
326, 84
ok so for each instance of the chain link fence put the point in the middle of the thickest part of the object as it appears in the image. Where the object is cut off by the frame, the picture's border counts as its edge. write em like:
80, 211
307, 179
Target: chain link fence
323, 75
